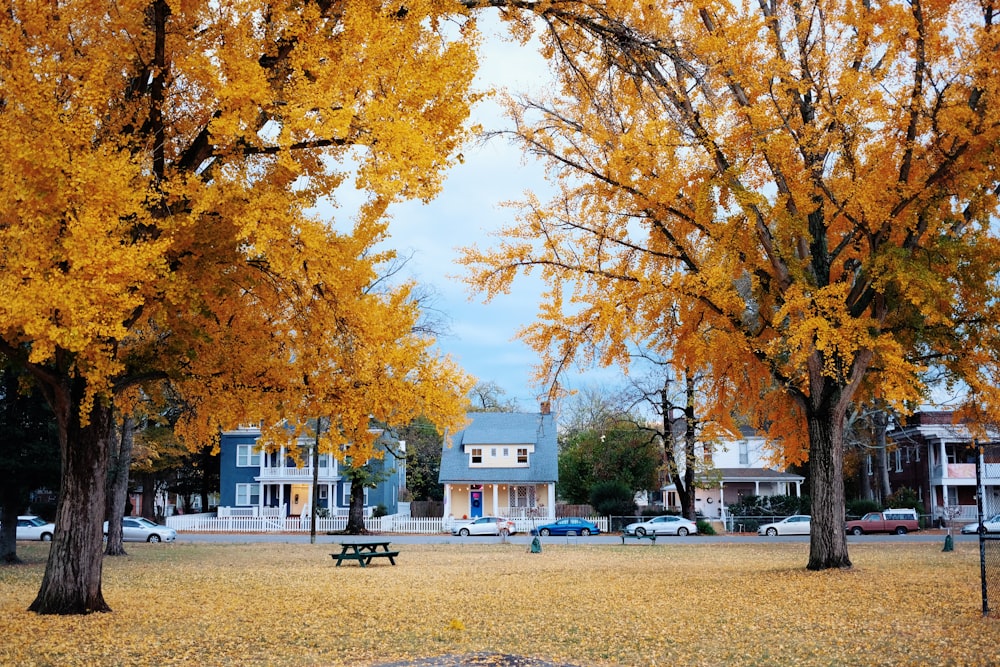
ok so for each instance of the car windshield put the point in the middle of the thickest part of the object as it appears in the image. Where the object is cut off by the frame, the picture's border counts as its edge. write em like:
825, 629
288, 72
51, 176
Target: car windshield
144, 522
35, 521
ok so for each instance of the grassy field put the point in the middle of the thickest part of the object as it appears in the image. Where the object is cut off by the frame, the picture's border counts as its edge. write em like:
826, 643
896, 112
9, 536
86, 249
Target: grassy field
668, 604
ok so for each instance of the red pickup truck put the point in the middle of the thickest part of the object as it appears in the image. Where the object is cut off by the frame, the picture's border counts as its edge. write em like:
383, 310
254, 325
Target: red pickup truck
899, 521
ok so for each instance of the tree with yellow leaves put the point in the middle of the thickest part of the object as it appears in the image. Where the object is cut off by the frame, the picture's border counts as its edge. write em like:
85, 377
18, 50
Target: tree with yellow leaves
797, 197
160, 163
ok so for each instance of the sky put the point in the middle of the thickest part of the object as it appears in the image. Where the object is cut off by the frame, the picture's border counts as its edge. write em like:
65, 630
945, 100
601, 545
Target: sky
481, 337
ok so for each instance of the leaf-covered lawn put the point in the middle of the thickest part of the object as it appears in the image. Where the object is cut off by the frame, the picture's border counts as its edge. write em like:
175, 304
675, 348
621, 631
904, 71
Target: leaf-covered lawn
668, 604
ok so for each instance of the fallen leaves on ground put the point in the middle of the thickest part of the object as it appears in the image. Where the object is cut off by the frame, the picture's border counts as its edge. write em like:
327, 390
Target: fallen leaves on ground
668, 604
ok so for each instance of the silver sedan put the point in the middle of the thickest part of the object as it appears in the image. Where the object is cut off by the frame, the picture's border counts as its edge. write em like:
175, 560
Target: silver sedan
668, 524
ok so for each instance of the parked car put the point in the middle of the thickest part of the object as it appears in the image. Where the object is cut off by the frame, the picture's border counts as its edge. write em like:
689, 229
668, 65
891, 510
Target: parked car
141, 529
899, 521
797, 524
485, 525
990, 525
567, 526
31, 527
663, 525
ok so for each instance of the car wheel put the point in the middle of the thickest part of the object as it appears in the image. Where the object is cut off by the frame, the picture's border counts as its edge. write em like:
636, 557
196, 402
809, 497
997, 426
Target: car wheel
464, 532
153, 538
585, 532
857, 531
901, 530
682, 532
640, 531
46, 537
544, 532
771, 532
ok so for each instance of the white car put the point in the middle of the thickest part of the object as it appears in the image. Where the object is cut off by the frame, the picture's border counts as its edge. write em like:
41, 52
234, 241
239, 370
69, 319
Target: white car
485, 525
141, 529
30, 527
990, 525
797, 524
668, 524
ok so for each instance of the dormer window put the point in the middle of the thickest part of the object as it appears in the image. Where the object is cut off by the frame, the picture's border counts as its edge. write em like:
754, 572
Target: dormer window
522, 455
477, 456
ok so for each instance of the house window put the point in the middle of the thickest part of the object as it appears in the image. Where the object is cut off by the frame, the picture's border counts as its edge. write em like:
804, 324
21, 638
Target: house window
322, 492
522, 455
493, 452
708, 454
247, 456
324, 460
345, 494
477, 455
248, 494
744, 453
522, 496
899, 461
951, 495
506, 452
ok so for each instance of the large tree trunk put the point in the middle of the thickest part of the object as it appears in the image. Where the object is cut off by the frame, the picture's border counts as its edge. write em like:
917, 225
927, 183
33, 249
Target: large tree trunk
356, 511
72, 580
10, 507
828, 541
118, 488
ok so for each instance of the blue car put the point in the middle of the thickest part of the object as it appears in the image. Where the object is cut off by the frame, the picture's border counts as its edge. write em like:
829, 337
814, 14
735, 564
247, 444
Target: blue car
567, 526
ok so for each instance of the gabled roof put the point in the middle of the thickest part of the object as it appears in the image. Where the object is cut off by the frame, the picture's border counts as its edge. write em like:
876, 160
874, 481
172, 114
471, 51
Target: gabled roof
503, 428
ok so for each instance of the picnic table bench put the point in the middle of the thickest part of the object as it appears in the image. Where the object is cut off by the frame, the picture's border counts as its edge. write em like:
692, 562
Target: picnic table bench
364, 552
646, 536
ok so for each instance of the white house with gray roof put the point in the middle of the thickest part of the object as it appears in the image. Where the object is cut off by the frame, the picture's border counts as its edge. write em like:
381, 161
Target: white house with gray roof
501, 464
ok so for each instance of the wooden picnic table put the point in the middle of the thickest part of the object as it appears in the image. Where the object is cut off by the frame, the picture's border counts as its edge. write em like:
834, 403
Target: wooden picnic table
364, 552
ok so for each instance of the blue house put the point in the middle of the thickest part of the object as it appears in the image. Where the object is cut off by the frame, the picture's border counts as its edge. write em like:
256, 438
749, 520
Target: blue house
273, 484
502, 464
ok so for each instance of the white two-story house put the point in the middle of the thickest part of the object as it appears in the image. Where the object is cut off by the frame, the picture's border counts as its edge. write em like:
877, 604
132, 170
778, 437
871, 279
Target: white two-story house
501, 464
734, 468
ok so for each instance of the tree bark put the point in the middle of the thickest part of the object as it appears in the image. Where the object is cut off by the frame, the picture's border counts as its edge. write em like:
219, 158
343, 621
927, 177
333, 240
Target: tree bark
356, 511
10, 507
828, 541
72, 580
118, 488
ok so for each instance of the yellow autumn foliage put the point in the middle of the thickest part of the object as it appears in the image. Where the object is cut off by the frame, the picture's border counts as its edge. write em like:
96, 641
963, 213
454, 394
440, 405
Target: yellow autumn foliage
798, 198
588, 605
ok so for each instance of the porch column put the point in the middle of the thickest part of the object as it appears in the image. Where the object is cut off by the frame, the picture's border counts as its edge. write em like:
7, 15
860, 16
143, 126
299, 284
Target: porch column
495, 489
281, 499
756, 488
798, 489
447, 501
552, 499
943, 461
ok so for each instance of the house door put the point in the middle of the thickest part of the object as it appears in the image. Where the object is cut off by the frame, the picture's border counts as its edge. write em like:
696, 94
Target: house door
476, 503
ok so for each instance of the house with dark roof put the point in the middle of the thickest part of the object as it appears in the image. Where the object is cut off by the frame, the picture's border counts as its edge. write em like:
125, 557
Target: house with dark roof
501, 464
735, 468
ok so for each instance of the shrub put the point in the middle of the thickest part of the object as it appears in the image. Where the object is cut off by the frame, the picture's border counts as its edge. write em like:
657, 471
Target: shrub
705, 528
612, 499
380, 511
860, 507
905, 497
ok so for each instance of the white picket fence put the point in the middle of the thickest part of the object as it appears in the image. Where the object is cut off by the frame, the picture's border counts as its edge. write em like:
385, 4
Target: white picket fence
210, 523
396, 523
